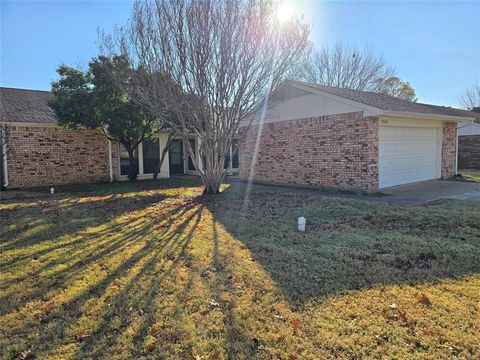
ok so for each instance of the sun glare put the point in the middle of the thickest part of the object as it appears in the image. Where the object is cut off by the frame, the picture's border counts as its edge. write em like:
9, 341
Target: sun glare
285, 12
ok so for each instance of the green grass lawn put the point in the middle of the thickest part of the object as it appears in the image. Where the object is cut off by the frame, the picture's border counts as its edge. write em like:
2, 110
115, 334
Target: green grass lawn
155, 270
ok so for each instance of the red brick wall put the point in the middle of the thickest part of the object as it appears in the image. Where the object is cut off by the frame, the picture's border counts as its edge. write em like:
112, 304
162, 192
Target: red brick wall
448, 149
334, 151
44, 156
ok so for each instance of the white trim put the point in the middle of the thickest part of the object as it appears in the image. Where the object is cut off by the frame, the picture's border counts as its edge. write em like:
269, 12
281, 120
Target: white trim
4, 158
410, 114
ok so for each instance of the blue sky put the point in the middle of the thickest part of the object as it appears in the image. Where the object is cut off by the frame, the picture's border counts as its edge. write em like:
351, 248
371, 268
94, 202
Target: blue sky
433, 45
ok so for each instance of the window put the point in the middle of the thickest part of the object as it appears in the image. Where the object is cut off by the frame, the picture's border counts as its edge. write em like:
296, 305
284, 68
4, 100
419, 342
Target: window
124, 160
151, 155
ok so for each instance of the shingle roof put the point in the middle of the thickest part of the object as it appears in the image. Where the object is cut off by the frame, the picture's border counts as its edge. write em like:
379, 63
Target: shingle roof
390, 103
31, 106
26, 106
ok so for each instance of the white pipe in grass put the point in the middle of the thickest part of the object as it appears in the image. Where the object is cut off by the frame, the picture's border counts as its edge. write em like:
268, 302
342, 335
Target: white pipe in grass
301, 223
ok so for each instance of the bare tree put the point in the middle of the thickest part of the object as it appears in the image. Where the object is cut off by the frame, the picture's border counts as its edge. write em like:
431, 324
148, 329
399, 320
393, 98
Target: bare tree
223, 58
470, 99
348, 67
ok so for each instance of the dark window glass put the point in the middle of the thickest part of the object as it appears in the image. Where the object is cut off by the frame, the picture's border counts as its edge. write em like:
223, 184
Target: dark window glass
151, 155
190, 161
227, 160
124, 162
235, 161
176, 157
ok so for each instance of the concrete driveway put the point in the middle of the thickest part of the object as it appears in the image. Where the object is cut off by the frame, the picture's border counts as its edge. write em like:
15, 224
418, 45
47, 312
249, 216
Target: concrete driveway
408, 195
429, 191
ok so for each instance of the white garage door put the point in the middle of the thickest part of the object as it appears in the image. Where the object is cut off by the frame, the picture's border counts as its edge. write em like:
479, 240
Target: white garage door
408, 155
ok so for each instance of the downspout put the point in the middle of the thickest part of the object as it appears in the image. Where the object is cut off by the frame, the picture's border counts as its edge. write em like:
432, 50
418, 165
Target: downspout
4, 157
110, 160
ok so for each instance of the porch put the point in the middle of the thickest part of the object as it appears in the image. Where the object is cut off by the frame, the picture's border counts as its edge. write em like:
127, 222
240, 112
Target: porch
177, 161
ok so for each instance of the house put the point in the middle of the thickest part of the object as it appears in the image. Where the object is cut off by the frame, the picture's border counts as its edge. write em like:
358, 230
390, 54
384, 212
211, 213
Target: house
308, 135
313, 135
469, 144
39, 152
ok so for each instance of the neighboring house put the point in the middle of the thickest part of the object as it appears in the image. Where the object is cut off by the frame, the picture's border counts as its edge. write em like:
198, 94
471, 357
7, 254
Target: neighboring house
41, 153
323, 136
469, 144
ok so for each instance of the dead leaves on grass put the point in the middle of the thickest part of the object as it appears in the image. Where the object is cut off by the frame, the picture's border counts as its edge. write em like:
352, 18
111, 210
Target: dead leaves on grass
424, 299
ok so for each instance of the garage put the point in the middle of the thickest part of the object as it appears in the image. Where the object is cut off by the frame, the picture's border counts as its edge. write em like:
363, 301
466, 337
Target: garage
315, 135
408, 154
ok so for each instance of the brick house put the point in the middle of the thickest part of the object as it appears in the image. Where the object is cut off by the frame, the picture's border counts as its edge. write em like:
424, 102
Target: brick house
313, 135
309, 135
38, 152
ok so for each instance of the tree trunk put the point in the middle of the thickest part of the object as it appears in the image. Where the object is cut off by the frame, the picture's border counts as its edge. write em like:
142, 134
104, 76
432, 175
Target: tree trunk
132, 171
211, 187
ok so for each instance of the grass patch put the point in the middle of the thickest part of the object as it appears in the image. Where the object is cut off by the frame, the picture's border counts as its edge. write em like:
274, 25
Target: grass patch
155, 270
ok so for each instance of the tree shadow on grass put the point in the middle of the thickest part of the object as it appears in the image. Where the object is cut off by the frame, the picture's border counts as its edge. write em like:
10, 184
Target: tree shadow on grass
123, 287
350, 245
139, 249
160, 260
48, 218
88, 230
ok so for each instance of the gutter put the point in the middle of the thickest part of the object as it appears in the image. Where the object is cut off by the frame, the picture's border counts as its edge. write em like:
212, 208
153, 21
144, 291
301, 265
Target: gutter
429, 116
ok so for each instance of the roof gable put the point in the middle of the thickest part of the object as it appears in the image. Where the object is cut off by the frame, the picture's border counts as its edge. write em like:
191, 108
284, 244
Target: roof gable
387, 102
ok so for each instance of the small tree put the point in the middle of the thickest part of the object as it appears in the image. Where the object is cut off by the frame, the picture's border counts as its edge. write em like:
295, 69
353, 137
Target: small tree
93, 99
470, 99
224, 57
402, 89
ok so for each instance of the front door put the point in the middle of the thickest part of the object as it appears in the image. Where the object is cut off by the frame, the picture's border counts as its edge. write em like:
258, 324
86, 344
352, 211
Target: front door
175, 156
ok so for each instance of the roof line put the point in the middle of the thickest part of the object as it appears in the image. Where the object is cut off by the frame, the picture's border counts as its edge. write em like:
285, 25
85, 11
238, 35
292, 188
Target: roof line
22, 89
